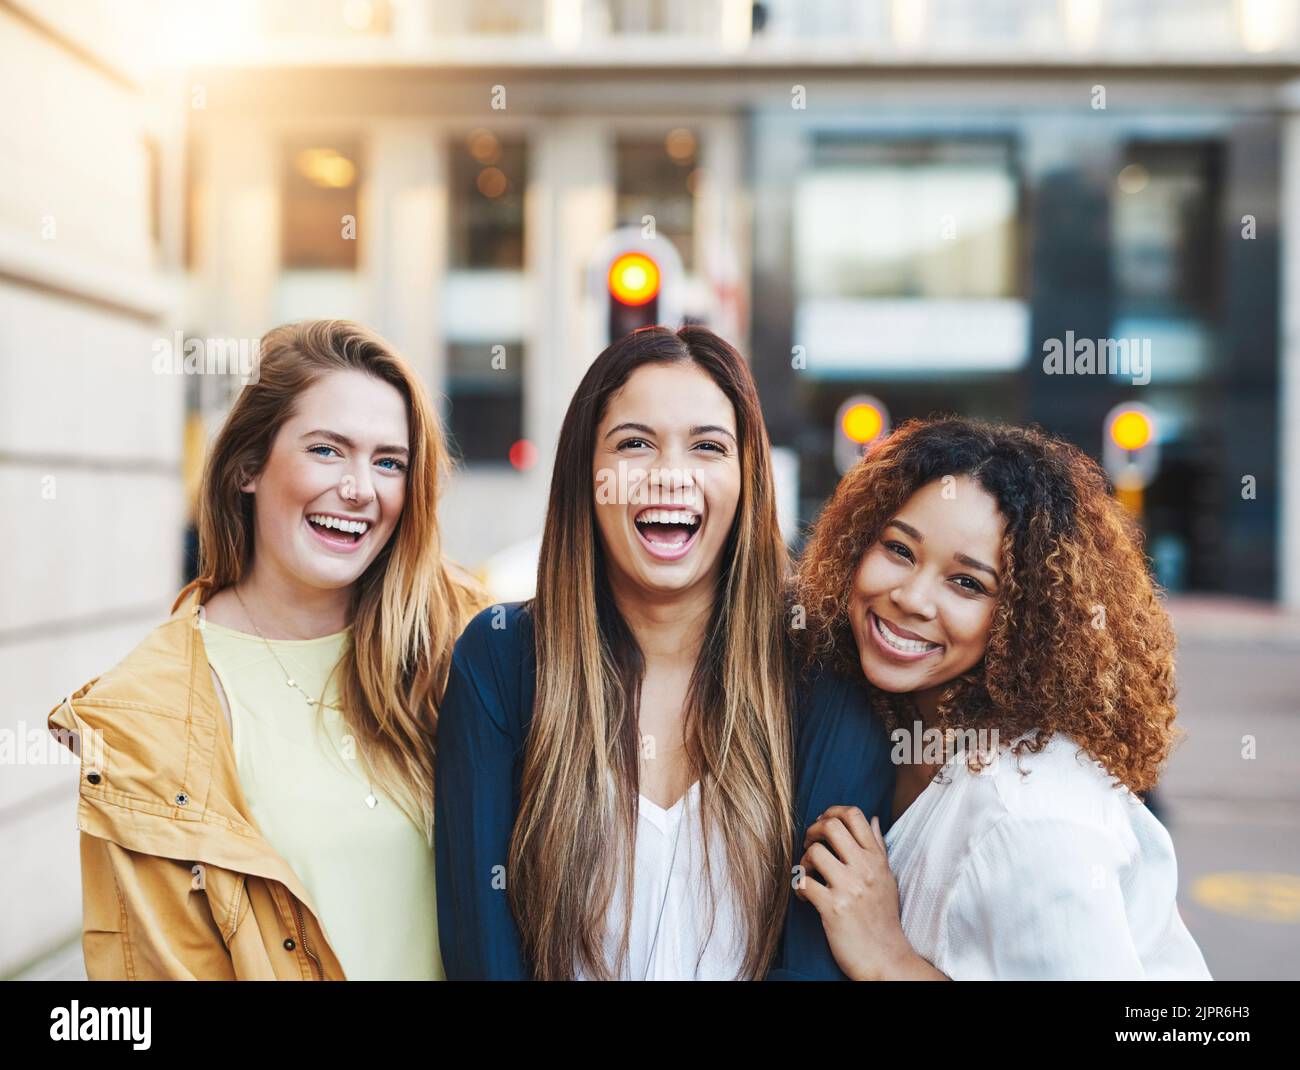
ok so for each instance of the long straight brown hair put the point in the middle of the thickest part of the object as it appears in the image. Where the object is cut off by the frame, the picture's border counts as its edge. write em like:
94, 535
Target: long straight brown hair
572, 838
409, 605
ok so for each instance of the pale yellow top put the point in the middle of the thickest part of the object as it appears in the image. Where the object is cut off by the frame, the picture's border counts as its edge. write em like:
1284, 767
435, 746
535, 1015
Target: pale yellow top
369, 871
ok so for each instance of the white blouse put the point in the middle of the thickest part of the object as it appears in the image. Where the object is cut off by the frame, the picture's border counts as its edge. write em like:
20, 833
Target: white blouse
1057, 875
684, 950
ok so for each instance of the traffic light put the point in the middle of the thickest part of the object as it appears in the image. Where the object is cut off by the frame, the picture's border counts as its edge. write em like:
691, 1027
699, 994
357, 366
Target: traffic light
1131, 451
637, 281
633, 293
860, 421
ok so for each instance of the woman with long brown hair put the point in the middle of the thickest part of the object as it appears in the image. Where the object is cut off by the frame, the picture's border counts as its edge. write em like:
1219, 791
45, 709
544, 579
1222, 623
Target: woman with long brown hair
257, 789
996, 600
615, 794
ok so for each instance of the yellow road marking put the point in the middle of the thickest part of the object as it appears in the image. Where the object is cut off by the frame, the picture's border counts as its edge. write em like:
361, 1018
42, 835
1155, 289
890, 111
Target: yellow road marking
1257, 896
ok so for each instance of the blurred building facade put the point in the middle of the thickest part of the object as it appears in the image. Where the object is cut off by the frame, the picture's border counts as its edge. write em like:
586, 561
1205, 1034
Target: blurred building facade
908, 198
90, 437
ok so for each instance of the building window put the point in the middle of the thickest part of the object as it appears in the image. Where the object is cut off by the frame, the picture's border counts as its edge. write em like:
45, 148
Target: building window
639, 17
907, 220
484, 297
488, 178
659, 176
325, 18
485, 394
488, 18
1164, 248
319, 182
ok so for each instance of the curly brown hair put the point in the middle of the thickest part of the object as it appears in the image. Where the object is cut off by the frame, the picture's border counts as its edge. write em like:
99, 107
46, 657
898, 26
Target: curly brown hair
1079, 643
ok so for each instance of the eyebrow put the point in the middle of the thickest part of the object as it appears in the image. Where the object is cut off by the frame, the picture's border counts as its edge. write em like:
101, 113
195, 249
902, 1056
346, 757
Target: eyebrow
704, 429
964, 559
977, 564
698, 429
906, 528
343, 440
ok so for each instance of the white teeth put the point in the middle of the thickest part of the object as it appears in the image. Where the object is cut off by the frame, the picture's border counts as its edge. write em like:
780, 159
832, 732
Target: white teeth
353, 527
668, 516
905, 646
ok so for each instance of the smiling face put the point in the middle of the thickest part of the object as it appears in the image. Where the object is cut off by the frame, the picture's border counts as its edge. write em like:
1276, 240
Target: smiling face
332, 489
923, 595
666, 468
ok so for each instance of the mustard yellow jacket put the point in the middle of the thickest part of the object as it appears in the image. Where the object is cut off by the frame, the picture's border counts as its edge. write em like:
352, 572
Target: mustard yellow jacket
177, 882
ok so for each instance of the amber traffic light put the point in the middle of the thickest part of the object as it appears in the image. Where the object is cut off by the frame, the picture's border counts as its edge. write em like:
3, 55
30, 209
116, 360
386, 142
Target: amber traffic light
634, 279
859, 421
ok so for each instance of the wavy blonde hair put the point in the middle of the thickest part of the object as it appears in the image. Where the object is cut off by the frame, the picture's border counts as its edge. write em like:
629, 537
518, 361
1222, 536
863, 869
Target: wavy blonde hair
409, 605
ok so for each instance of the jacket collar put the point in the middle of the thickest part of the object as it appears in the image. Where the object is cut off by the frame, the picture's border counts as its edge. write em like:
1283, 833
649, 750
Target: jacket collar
207, 819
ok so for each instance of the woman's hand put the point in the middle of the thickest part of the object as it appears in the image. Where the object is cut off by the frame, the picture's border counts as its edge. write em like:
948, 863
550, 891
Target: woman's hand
858, 902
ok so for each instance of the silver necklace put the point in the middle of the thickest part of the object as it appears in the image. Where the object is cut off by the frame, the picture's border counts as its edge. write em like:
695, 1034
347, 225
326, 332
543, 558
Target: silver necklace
320, 703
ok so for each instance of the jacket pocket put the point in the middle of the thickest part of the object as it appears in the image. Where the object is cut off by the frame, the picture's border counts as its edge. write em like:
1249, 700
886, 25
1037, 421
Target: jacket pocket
227, 896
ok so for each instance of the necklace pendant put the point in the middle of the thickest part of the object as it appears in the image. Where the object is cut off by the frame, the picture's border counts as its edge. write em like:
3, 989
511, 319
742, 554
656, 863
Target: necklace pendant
371, 801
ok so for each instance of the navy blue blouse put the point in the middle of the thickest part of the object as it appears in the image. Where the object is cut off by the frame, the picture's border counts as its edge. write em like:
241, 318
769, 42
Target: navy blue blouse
841, 757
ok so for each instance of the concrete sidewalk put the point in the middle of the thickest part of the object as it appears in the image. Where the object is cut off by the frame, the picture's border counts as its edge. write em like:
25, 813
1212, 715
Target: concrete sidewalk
1233, 620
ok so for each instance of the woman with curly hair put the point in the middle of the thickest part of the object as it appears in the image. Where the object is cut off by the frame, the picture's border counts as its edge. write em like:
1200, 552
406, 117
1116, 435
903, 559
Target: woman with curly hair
992, 591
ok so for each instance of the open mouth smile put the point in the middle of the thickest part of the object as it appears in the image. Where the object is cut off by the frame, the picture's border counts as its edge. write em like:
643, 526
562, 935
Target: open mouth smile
899, 643
668, 533
338, 533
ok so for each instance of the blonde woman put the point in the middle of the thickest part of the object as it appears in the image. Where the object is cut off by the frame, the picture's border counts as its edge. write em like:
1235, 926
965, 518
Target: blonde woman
257, 776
